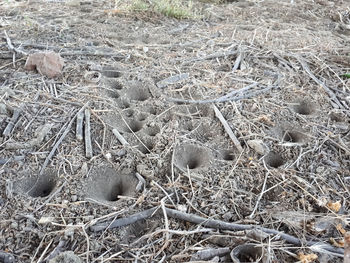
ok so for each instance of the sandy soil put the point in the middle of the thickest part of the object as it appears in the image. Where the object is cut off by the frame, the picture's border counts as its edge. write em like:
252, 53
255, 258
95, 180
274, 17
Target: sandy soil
242, 116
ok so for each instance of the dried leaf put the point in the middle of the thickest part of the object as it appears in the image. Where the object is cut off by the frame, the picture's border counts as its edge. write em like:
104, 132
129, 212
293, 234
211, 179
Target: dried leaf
336, 243
341, 229
307, 258
334, 206
46, 219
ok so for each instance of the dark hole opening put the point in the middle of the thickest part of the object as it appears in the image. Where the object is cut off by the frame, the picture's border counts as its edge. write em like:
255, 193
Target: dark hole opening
193, 163
42, 189
303, 108
113, 194
274, 160
111, 74
135, 126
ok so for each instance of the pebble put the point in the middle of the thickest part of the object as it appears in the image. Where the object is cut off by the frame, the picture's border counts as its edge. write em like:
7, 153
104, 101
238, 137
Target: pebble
14, 225
121, 153
74, 198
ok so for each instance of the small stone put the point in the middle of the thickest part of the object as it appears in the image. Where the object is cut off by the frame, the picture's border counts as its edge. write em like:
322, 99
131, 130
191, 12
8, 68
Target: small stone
108, 156
74, 198
258, 146
14, 225
69, 232
121, 153
49, 63
66, 257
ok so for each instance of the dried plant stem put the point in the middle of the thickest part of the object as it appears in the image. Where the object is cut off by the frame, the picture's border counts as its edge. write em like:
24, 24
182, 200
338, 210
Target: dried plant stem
227, 129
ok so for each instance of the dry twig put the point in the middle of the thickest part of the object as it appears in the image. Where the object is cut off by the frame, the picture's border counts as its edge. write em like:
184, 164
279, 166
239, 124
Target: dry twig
87, 134
227, 129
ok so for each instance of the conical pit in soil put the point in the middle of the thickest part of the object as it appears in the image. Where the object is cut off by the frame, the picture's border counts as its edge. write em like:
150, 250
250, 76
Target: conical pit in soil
247, 253
110, 72
293, 136
138, 93
274, 160
226, 155
108, 185
37, 186
191, 156
303, 107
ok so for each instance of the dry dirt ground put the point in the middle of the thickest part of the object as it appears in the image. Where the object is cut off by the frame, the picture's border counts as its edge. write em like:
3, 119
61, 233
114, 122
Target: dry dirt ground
239, 116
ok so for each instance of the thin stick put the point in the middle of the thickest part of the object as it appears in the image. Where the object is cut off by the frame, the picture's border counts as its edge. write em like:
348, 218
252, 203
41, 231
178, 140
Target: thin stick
55, 147
261, 193
11, 47
172, 80
319, 82
87, 137
124, 221
217, 224
12, 159
225, 98
237, 62
228, 129
120, 137
212, 56
79, 129
166, 223
12, 123
44, 252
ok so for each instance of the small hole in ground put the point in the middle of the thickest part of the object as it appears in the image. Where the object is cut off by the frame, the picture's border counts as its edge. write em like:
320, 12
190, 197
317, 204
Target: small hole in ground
115, 191
192, 157
128, 112
123, 104
247, 253
140, 94
43, 186
146, 148
134, 125
152, 131
107, 184
113, 94
303, 107
111, 73
274, 160
293, 136
193, 163
227, 155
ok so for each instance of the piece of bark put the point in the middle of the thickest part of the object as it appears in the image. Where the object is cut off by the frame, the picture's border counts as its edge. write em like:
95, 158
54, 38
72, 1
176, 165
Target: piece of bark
88, 145
119, 137
12, 122
79, 129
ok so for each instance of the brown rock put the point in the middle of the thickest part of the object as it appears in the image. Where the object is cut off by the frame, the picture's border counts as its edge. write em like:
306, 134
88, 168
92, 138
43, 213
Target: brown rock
48, 63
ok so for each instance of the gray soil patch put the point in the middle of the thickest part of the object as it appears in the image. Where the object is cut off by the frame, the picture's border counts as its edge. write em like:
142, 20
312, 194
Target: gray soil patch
37, 186
107, 185
192, 157
304, 107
